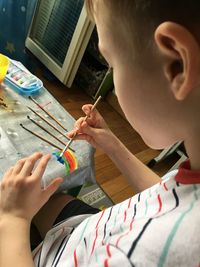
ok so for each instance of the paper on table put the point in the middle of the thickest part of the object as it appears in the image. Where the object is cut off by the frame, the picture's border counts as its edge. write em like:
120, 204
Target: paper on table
8, 153
16, 143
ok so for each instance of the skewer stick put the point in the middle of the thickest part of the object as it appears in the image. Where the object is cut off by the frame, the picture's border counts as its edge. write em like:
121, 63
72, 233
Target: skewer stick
49, 123
93, 107
40, 137
75, 134
40, 126
47, 112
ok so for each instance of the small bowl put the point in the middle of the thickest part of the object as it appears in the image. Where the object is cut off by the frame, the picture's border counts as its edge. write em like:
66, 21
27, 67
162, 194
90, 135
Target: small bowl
4, 64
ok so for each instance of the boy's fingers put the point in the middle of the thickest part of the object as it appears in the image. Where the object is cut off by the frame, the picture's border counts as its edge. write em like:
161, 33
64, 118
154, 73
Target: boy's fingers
8, 173
86, 129
78, 123
71, 134
29, 164
40, 169
18, 166
80, 137
53, 186
77, 126
86, 108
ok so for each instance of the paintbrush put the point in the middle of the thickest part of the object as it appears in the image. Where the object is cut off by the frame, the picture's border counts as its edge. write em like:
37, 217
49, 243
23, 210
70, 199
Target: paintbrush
44, 129
49, 123
40, 137
75, 134
47, 112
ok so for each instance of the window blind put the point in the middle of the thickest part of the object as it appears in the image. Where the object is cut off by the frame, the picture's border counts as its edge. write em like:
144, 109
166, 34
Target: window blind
54, 26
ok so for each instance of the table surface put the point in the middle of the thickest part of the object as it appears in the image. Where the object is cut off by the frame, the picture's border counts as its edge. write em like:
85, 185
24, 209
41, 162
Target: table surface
16, 143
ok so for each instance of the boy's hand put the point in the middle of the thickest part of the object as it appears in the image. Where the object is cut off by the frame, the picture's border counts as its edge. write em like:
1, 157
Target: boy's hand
21, 195
94, 130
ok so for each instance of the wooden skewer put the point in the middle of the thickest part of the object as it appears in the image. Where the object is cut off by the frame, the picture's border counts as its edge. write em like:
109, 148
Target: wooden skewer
40, 137
75, 134
40, 126
47, 112
49, 123
93, 107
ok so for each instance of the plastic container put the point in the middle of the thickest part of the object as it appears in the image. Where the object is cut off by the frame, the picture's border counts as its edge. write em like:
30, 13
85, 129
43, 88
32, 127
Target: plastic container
21, 80
4, 64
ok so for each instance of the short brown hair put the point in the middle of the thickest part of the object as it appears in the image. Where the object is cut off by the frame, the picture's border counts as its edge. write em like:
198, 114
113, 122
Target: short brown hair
148, 14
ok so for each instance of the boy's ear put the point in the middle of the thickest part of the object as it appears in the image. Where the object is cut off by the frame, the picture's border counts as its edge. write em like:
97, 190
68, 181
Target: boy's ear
181, 53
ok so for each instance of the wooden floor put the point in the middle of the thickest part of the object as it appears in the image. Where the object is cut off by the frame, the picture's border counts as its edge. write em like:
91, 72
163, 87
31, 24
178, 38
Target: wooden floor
107, 175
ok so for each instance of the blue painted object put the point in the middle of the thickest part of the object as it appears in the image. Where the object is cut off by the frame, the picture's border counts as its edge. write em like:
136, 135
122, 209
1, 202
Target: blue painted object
60, 159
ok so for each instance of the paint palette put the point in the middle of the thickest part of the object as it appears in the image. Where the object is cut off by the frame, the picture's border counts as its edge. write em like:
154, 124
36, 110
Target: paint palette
22, 81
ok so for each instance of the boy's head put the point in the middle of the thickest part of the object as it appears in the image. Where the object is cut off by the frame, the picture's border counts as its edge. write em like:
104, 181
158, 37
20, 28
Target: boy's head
153, 48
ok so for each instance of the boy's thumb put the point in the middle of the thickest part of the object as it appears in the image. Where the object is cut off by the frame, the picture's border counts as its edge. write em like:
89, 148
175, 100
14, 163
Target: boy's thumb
53, 186
86, 129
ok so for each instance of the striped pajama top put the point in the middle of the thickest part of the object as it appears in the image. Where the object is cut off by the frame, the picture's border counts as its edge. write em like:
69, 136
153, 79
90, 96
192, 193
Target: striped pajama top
158, 227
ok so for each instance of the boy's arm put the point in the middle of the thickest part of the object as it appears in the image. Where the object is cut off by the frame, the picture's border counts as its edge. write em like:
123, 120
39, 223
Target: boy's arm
137, 173
97, 133
14, 243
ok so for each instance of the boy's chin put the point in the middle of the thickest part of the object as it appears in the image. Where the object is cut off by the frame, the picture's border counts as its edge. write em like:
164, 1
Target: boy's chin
158, 144
156, 147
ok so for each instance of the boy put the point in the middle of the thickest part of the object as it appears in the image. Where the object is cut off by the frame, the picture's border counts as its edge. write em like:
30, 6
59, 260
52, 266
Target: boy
153, 47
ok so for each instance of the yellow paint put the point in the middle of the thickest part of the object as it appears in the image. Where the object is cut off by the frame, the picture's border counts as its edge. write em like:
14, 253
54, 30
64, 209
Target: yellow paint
4, 64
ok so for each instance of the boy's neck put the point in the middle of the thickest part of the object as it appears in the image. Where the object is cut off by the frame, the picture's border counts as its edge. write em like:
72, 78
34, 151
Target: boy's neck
193, 150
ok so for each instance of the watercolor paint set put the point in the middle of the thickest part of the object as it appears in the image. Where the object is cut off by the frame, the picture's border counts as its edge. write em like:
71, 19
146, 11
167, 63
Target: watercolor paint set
21, 80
